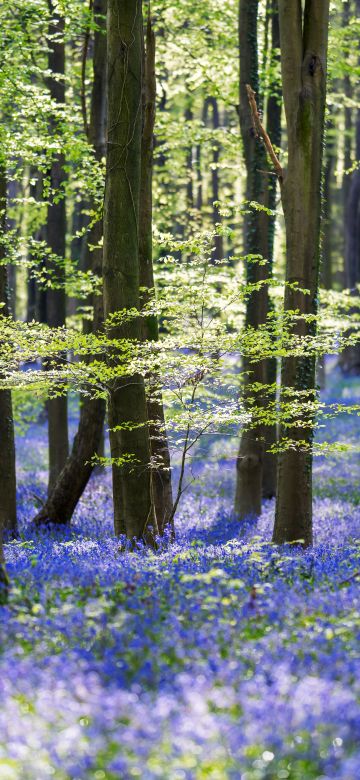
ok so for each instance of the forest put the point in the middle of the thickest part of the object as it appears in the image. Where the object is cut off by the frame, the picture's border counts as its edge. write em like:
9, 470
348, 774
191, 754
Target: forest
179, 389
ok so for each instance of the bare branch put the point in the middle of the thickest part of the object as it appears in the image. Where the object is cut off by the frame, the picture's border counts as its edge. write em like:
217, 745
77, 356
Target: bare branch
260, 130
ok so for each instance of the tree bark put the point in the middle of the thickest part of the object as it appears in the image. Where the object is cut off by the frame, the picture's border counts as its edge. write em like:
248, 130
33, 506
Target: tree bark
273, 125
160, 455
350, 358
129, 434
190, 203
74, 476
4, 581
211, 103
303, 37
56, 238
329, 164
251, 450
8, 522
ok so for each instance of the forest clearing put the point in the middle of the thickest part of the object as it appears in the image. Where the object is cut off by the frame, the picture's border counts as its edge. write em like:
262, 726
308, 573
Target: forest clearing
179, 389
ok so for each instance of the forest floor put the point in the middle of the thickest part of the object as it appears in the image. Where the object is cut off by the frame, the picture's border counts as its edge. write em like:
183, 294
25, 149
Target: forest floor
220, 657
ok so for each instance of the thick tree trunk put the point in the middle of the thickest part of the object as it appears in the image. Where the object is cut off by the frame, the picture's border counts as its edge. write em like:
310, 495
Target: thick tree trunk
74, 476
251, 450
273, 125
56, 237
160, 455
303, 59
7, 440
129, 434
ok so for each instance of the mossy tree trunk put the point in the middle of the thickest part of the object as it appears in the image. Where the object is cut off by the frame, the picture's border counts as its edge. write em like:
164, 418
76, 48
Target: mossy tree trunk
251, 451
160, 455
128, 421
56, 239
75, 474
303, 38
7, 440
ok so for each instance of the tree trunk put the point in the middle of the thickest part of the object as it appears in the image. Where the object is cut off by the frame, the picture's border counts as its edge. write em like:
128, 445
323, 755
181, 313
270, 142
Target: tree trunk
8, 521
71, 483
350, 358
74, 476
273, 124
56, 237
161, 467
329, 165
303, 39
128, 421
13, 192
251, 450
36, 302
211, 103
190, 203
4, 582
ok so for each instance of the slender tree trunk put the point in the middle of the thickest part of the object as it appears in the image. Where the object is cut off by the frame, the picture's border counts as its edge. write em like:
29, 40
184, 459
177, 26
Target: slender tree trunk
327, 230
13, 188
56, 236
7, 440
199, 183
211, 103
161, 467
75, 474
251, 450
189, 116
303, 37
350, 358
79, 224
273, 123
36, 296
4, 581
129, 434
329, 164
348, 113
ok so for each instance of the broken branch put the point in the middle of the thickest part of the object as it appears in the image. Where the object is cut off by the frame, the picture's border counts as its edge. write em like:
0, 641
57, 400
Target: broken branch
260, 130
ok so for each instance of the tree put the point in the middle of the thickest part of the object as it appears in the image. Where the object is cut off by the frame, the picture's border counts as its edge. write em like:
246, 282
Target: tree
7, 440
251, 450
211, 105
350, 357
75, 474
160, 455
4, 582
128, 421
56, 239
273, 126
303, 39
